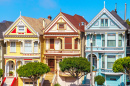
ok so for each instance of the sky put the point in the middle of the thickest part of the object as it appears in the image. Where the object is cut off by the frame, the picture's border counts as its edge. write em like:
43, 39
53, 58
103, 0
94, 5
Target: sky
10, 9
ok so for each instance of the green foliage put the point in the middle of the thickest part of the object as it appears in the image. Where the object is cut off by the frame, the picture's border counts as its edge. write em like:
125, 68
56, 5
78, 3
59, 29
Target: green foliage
1, 72
57, 84
10, 72
122, 65
33, 70
75, 66
128, 22
99, 79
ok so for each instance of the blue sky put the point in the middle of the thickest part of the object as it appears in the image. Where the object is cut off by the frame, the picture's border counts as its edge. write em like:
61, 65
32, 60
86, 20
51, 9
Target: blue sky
10, 9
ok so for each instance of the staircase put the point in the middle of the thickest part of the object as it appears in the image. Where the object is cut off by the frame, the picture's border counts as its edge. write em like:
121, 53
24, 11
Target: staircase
48, 79
8, 81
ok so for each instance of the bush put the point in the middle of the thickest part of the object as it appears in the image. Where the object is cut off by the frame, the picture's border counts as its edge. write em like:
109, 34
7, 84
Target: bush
1, 73
99, 79
57, 84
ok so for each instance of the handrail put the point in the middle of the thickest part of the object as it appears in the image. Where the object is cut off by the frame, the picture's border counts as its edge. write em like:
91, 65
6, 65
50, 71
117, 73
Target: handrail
13, 81
43, 78
3, 81
54, 79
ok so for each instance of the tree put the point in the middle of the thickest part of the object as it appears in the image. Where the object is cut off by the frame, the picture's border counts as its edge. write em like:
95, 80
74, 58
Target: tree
128, 22
76, 66
33, 70
1, 72
122, 65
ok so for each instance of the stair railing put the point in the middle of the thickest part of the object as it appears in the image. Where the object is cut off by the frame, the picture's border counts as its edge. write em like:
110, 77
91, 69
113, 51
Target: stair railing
12, 84
53, 80
3, 81
42, 80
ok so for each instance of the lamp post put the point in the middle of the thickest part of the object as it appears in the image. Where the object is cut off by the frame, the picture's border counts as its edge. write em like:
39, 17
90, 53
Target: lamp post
91, 61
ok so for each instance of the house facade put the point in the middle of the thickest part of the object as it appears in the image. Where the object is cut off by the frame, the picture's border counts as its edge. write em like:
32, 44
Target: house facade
64, 37
23, 41
108, 34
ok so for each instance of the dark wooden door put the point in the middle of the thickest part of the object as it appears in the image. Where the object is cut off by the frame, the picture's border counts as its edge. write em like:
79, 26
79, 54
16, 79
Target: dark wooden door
51, 64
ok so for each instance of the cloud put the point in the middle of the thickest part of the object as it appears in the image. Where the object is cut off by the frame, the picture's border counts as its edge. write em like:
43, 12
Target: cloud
48, 3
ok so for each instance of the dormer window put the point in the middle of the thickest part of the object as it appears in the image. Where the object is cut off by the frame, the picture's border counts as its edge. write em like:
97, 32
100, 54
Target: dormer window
61, 26
104, 22
20, 28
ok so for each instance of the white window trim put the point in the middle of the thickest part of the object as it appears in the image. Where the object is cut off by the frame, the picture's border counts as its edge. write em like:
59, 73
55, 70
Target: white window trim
15, 48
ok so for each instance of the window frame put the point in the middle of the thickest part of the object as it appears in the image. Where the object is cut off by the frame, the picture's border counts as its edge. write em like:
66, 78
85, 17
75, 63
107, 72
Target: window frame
111, 40
25, 46
68, 43
23, 28
14, 47
104, 22
107, 60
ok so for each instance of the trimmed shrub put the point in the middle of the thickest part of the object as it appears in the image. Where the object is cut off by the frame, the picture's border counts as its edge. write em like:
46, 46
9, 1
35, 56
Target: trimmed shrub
57, 84
99, 79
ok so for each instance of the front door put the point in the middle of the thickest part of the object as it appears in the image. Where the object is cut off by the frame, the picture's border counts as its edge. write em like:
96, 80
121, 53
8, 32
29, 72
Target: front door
51, 64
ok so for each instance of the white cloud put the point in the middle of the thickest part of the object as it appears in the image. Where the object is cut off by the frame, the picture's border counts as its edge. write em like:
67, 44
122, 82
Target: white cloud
48, 3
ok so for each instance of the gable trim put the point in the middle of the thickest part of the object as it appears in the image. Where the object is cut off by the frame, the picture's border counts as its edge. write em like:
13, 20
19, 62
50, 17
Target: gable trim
57, 20
104, 10
14, 26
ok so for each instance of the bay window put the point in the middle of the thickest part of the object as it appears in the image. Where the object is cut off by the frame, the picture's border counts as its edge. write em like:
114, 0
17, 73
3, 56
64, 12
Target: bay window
111, 40
36, 46
28, 46
110, 61
103, 61
12, 47
103, 40
119, 40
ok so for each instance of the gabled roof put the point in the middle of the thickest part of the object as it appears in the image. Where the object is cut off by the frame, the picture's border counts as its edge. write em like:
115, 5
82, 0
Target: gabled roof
3, 27
36, 24
76, 20
110, 15
120, 19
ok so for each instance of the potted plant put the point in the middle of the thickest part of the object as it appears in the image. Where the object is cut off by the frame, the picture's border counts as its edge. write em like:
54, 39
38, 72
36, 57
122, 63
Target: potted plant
10, 73
100, 80
57, 84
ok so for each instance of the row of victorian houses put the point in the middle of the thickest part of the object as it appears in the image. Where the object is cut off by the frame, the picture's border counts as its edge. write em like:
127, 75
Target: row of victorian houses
49, 41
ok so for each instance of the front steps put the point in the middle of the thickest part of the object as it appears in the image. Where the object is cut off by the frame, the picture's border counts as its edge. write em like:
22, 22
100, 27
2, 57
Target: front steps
8, 81
48, 79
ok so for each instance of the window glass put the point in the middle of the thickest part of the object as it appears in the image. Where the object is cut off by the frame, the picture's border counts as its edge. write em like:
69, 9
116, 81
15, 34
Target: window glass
94, 40
120, 40
21, 28
111, 40
102, 22
103, 40
61, 26
36, 46
106, 22
103, 61
28, 46
110, 61
12, 47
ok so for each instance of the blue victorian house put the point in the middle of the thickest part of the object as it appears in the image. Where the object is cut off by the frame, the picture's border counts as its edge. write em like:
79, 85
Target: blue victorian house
108, 32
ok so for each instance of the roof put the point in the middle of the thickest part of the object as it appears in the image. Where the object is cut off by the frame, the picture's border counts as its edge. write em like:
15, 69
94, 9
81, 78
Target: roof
76, 20
120, 19
3, 27
36, 24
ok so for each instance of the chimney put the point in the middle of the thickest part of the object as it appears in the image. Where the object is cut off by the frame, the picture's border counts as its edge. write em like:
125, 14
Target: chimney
116, 7
125, 11
49, 17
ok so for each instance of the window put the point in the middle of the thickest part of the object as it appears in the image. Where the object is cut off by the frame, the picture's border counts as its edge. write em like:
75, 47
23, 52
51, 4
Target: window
68, 42
111, 40
61, 43
12, 47
110, 61
21, 28
119, 40
94, 40
36, 46
103, 61
113, 79
21, 47
103, 40
76, 43
28, 46
119, 56
61, 26
51, 43
104, 22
